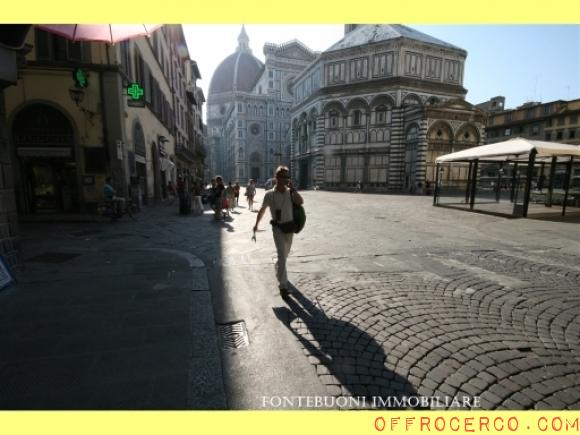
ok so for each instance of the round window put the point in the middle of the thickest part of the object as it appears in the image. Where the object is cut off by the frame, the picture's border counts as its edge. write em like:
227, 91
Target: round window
255, 129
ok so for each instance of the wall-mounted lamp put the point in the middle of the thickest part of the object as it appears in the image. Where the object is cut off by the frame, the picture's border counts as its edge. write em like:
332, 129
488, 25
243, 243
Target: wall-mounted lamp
77, 95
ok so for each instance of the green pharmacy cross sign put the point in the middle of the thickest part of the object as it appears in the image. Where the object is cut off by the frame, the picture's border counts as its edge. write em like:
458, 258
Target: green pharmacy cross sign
80, 78
135, 91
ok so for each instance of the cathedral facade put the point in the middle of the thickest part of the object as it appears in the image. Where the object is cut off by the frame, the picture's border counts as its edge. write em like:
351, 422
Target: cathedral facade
377, 108
249, 103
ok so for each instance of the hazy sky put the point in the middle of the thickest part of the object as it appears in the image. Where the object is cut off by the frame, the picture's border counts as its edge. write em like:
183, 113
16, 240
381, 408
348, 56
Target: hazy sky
521, 62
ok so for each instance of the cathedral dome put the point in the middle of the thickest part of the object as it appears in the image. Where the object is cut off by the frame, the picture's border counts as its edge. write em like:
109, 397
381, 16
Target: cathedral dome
239, 71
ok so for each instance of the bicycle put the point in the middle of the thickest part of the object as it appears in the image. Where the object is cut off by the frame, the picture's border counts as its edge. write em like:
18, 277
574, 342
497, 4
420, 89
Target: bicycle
116, 208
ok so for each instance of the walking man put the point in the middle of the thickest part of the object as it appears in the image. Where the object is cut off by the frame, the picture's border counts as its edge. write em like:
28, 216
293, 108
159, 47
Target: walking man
279, 200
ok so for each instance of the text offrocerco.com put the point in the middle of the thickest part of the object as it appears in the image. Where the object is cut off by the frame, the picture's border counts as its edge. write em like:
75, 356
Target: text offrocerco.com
503, 423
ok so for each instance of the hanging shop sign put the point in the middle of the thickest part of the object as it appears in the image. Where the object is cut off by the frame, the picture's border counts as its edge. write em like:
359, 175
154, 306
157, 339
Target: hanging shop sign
136, 95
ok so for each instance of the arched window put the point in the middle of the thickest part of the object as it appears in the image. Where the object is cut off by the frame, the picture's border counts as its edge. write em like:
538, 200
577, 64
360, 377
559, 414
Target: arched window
333, 115
139, 139
381, 113
356, 118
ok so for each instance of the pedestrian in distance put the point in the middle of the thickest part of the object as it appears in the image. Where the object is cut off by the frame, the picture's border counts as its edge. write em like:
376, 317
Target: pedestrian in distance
197, 203
211, 198
237, 193
219, 197
117, 202
170, 189
540, 183
250, 193
279, 200
231, 196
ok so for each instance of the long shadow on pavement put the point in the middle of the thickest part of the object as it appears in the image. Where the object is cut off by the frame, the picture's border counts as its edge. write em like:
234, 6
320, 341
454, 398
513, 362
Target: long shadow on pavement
348, 360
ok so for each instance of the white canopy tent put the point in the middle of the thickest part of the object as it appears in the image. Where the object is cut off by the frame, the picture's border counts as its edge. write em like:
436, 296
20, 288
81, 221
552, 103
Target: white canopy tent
514, 150
518, 151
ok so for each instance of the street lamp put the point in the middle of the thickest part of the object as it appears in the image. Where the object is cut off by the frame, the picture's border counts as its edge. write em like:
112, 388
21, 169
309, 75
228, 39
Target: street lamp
77, 95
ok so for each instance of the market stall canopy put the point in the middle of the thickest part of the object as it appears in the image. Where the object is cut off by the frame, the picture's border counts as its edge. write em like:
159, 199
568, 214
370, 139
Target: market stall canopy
514, 150
110, 33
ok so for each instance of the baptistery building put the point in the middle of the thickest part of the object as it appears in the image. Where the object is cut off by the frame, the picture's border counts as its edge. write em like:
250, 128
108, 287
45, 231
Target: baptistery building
378, 107
248, 109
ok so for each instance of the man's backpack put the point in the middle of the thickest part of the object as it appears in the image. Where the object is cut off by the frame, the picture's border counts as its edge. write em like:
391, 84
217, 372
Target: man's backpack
297, 222
299, 217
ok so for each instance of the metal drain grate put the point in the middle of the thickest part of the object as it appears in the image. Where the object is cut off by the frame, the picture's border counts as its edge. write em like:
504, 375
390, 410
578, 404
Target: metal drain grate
53, 257
233, 335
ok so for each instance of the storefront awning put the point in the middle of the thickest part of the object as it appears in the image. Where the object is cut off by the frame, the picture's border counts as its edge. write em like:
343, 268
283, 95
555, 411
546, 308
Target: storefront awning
166, 164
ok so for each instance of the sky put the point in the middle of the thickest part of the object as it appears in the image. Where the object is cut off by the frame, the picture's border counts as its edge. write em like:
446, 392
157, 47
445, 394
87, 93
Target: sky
520, 62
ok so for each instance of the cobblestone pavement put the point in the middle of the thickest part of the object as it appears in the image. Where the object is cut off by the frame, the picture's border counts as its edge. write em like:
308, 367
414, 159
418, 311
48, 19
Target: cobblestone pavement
499, 321
392, 297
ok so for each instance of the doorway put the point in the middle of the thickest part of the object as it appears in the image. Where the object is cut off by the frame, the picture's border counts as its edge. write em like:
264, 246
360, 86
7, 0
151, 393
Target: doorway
52, 186
255, 173
303, 175
44, 142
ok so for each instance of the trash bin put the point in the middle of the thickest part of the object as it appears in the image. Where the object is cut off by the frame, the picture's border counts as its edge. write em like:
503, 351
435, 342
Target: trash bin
184, 203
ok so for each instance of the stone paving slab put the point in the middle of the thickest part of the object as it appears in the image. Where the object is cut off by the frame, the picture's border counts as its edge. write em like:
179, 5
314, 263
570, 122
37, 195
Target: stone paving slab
111, 327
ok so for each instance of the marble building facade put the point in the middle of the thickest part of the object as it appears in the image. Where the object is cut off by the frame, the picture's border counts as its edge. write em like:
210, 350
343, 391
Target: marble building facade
249, 102
378, 107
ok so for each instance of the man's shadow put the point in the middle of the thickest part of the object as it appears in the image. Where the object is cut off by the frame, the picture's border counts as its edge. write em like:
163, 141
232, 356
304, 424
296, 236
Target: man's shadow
347, 352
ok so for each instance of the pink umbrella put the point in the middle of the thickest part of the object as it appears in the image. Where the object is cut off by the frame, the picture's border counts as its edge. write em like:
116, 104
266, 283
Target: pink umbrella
110, 33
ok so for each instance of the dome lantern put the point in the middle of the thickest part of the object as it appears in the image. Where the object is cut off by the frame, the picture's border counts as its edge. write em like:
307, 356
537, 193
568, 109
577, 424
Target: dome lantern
244, 41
